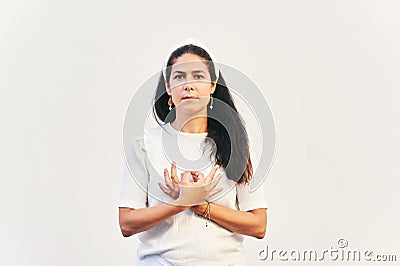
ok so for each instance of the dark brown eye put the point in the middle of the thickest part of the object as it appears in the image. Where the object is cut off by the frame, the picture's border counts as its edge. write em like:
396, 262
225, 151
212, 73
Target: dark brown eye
179, 76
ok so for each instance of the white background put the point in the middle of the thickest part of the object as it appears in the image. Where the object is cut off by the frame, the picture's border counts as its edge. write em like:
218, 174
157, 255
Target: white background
329, 70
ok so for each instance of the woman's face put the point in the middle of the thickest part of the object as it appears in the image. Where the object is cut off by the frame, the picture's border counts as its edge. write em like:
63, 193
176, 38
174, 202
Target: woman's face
190, 84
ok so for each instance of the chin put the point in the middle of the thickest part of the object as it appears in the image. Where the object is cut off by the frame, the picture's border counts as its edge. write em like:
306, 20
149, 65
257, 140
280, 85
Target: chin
192, 109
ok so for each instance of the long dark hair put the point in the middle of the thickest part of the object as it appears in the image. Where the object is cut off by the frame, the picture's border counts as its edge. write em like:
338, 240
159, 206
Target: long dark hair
232, 147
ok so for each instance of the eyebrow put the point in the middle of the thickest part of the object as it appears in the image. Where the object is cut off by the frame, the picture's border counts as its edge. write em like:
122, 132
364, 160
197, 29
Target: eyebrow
183, 72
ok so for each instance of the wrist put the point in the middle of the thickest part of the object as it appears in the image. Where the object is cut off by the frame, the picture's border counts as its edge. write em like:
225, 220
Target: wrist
204, 211
199, 209
178, 208
182, 207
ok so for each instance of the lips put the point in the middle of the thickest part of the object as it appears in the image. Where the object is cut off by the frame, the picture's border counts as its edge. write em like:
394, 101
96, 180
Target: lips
189, 97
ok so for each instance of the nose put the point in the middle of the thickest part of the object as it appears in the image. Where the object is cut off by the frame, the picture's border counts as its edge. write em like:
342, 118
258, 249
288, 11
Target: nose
188, 86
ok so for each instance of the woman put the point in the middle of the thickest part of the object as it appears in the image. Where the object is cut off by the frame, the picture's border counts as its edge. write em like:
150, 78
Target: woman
196, 213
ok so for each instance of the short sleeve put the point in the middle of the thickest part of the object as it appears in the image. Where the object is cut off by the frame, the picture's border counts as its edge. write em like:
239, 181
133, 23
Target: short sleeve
250, 200
135, 178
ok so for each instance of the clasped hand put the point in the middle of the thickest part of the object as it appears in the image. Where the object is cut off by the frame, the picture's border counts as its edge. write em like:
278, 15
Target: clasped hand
187, 193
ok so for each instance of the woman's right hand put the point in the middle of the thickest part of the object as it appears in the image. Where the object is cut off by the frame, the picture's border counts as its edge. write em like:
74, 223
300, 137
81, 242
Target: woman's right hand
171, 182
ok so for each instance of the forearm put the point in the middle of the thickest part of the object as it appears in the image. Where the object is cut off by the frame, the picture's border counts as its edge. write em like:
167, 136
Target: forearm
252, 223
133, 221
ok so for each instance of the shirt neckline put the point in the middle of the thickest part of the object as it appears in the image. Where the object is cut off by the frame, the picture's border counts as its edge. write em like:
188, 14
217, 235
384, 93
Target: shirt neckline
171, 129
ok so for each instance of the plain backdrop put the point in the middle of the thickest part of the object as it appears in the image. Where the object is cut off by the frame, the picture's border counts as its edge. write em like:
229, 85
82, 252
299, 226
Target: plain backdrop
328, 69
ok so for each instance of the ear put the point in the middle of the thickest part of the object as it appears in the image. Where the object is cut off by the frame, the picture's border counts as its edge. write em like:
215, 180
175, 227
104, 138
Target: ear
214, 85
167, 87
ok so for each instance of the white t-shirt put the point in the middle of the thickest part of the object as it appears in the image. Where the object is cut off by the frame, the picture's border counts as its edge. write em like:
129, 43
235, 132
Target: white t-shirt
182, 239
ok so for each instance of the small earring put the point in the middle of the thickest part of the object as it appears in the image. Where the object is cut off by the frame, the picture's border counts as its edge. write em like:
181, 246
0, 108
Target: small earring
170, 103
211, 102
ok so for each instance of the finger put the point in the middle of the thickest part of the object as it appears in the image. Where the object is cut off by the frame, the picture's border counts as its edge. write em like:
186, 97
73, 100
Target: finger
215, 182
185, 178
201, 178
174, 177
168, 179
164, 189
212, 193
214, 179
195, 176
198, 177
173, 171
196, 173
212, 172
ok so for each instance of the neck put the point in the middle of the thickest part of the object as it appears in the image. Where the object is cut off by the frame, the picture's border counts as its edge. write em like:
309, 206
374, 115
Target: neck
190, 124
